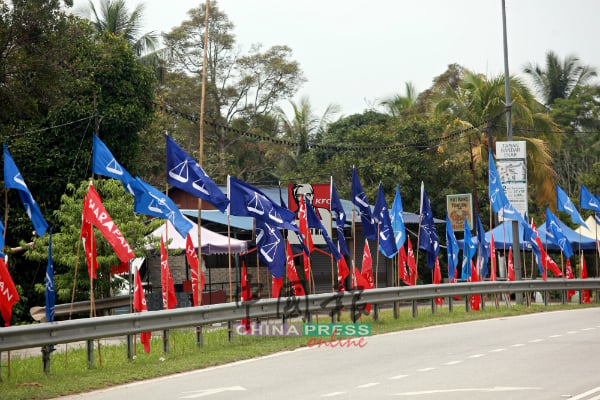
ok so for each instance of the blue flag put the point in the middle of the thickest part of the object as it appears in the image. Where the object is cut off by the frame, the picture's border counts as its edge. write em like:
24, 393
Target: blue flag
151, 201
381, 213
483, 248
397, 219
313, 221
186, 174
469, 249
588, 201
105, 164
428, 237
556, 235
14, 180
564, 203
50, 293
359, 198
452, 249
337, 211
271, 248
247, 201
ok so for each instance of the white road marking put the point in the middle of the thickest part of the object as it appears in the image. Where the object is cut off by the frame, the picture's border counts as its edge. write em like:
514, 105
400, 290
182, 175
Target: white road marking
453, 362
587, 329
398, 377
426, 369
536, 340
333, 394
518, 345
571, 332
207, 392
585, 394
476, 355
497, 350
367, 385
555, 336
481, 390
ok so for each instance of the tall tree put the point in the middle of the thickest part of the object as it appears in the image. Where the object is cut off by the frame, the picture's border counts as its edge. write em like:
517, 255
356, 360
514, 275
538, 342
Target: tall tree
238, 86
558, 79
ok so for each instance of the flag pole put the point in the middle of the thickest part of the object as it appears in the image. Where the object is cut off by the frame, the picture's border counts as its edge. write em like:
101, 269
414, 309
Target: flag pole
331, 230
420, 220
200, 156
229, 239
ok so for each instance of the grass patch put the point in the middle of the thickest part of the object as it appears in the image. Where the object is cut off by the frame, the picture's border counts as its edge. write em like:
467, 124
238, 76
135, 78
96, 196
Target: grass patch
71, 374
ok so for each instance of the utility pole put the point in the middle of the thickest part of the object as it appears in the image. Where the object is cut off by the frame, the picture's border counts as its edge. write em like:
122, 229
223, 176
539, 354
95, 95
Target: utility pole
515, 224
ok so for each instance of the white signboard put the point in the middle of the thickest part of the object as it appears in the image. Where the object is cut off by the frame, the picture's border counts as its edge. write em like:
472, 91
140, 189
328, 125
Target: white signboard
511, 163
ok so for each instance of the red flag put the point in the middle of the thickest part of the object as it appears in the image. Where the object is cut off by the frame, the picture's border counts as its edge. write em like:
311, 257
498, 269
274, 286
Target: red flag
402, 273
547, 262
96, 214
166, 280
412, 265
367, 266
139, 304
8, 293
585, 294
276, 285
569, 272
493, 259
292, 274
342, 272
89, 246
307, 237
475, 299
437, 279
511, 268
246, 295
358, 281
192, 259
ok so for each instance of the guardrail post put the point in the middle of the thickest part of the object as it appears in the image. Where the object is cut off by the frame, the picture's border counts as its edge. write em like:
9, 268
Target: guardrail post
433, 308
482, 296
130, 347
166, 345
90, 353
450, 304
415, 309
375, 312
0, 366
229, 331
396, 310
199, 337
46, 359
467, 304
545, 298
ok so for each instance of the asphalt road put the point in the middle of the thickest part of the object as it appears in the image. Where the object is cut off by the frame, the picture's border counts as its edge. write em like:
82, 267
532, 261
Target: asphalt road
542, 356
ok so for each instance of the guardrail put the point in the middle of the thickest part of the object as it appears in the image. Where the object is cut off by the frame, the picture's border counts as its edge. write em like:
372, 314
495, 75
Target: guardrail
36, 335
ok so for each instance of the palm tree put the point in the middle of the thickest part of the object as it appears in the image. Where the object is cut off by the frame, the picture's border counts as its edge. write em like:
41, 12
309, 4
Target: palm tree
559, 79
477, 97
399, 105
304, 126
114, 17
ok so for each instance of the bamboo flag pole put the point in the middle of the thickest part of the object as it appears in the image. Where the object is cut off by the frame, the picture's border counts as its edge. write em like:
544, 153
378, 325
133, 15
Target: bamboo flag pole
420, 220
200, 157
229, 240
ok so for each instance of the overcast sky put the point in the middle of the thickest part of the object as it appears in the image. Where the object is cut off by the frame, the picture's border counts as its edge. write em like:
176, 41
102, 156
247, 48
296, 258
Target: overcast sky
356, 53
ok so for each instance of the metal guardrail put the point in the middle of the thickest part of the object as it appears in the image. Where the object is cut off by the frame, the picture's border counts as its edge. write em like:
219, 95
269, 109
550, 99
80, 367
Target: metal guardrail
36, 335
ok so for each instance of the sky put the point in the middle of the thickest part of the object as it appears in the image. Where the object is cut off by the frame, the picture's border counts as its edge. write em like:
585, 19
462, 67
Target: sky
356, 54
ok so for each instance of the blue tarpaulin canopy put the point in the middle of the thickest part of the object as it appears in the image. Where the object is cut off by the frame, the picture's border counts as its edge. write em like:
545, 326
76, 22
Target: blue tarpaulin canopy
503, 237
